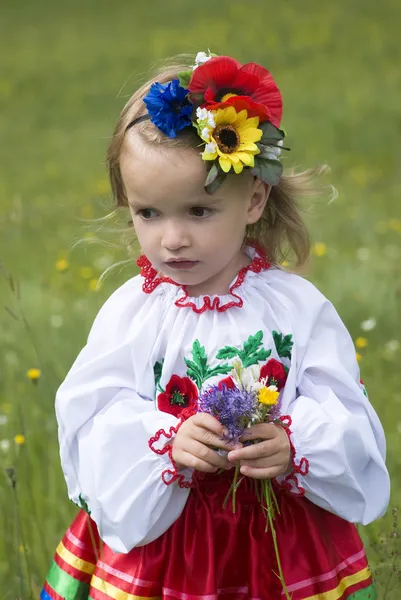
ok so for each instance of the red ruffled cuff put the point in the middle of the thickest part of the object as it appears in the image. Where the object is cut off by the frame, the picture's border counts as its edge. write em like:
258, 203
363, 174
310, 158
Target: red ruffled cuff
299, 467
172, 474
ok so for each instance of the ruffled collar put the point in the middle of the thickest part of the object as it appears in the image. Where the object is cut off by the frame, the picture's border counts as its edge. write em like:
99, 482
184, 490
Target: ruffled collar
152, 279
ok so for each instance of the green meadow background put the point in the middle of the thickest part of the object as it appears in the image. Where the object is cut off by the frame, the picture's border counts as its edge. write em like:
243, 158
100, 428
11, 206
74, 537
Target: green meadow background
66, 69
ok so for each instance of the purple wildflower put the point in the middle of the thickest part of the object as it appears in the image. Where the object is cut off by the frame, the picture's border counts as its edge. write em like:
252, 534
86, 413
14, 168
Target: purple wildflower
232, 407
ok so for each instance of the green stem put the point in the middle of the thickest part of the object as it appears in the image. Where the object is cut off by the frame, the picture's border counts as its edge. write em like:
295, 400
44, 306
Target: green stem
268, 493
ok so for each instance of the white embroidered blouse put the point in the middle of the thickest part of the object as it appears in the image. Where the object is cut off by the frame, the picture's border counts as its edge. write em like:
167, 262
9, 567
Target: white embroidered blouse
152, 349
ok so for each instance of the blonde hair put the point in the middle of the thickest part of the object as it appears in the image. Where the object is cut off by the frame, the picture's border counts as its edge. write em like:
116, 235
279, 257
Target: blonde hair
280, 231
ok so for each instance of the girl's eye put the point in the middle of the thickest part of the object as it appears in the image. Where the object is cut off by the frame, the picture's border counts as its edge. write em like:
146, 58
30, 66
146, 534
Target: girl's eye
200, 211
147, 213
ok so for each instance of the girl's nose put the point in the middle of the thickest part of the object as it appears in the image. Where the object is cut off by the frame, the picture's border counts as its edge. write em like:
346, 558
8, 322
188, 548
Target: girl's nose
174, 236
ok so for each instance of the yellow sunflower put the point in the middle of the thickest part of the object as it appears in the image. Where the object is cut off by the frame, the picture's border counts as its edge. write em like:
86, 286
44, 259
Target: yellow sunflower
232, 140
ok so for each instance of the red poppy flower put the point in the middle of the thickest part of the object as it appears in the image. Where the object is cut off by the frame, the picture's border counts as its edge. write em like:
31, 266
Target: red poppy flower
222, 81
228, 382
274, 369
180, 393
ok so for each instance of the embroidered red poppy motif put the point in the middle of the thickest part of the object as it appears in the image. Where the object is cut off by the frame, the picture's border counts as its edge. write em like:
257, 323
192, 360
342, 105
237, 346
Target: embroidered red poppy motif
273, 371
180, 394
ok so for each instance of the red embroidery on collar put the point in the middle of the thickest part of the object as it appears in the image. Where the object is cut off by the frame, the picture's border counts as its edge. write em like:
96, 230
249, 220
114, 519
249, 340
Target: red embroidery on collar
153, 279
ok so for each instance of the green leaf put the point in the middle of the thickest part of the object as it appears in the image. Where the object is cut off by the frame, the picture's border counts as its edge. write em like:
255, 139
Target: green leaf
193, 372
283, 344
220, 370
214, 178
184, 77
267, 170
271, 135
227, 352
199, 355
258, 356
82, 504
157, 370
252, 343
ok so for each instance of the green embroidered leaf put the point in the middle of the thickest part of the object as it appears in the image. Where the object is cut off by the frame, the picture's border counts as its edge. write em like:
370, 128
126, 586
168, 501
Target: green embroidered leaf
184, 77
220, 370
227, 352
157, 371
82, 504
260, 355
193, 372
283, 344
252, 343
199, 355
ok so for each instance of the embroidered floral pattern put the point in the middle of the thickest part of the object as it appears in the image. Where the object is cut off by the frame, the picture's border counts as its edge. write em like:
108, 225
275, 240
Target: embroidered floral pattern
181, 393
180, 397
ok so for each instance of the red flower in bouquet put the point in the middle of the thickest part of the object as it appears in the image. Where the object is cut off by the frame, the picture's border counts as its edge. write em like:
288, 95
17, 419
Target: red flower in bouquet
180, 393
223, 81
228, 382
274, 370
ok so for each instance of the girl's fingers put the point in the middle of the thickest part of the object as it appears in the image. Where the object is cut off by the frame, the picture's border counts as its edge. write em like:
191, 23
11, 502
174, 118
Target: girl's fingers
208, 422
203, 453
269, 473
262, 431
189, 460
207, 437
262, 449
263, 463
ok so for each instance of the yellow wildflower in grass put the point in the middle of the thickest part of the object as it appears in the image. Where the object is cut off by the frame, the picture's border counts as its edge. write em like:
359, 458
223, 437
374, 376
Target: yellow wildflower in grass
62, 265
33, 374
232, 140
395, 225
6, 408
267, 396
361, 342
358, 357
285, 263
94, 285
319, 249
19, 439
22, 548
86, 272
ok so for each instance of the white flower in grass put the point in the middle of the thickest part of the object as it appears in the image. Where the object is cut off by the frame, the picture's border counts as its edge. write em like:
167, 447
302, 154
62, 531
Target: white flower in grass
3, 420
363, 254
5, 445
392, 346
369, 324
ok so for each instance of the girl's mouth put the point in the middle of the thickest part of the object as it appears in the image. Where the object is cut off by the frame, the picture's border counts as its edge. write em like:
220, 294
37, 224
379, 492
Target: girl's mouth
181, 264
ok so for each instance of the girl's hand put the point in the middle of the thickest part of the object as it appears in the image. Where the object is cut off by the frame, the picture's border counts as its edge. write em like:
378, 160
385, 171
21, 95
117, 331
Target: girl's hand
193, 445
266, 459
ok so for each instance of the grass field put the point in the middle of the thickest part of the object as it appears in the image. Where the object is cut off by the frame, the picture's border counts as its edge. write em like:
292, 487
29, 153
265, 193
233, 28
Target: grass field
66, 69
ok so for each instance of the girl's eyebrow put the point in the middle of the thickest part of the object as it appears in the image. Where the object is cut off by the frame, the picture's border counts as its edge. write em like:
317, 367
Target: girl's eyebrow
206, 202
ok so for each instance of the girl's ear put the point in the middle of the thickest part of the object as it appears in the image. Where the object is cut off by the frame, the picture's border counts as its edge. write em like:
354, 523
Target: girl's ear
259, 195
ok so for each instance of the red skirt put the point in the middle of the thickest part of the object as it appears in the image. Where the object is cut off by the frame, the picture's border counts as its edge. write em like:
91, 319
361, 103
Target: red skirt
210, 553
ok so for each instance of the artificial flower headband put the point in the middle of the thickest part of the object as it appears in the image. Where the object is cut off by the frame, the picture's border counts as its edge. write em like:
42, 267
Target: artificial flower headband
236, 110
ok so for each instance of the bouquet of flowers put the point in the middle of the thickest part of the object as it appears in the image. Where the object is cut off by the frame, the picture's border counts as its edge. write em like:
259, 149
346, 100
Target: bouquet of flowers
241, 400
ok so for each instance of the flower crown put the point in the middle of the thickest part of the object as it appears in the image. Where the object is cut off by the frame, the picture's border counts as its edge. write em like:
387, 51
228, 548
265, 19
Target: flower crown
236, 110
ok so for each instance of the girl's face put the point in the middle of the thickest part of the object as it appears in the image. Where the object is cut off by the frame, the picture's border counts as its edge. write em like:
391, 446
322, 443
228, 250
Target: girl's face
188, 235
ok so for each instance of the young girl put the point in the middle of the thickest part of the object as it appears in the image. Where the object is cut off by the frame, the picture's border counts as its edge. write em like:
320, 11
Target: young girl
196, 158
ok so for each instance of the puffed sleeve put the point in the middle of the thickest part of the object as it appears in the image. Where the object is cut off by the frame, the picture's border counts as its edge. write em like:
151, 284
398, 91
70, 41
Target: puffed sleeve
106, 416
338, 441
335, 430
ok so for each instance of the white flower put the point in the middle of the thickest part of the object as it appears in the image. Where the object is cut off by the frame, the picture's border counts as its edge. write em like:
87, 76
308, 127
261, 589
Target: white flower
369, 324
363, 253
392, 346
211, 148
273, 388
201, 59
3, 420
201, 113
5, 445
56, 321
205, 134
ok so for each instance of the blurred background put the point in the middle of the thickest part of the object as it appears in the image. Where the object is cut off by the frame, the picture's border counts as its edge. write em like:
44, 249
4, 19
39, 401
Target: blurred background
66, 70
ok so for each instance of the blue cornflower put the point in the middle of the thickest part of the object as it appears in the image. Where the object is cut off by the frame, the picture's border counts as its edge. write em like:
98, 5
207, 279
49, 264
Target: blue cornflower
231, 406
169, 107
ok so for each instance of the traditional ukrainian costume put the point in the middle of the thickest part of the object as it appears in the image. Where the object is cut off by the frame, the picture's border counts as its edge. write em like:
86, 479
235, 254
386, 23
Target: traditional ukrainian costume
150, 531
